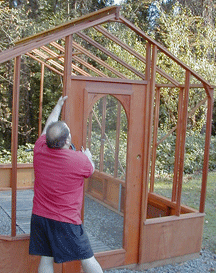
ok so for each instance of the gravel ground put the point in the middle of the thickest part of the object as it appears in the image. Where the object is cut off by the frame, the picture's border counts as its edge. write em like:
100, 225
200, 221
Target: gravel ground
104, 224
5, 224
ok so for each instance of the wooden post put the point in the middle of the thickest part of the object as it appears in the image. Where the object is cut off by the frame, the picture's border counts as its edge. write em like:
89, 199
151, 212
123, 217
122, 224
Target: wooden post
67, 69
14, 142
149, 107
118, 123
178, 143
103, 135
90, 130
154, 145
182, 144
41, 101
206, 153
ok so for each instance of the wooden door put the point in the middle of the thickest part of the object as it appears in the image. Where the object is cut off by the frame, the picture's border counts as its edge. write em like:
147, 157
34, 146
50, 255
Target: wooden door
83, 96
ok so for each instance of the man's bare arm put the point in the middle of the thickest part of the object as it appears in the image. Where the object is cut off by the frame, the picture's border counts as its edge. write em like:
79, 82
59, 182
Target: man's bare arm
54, 116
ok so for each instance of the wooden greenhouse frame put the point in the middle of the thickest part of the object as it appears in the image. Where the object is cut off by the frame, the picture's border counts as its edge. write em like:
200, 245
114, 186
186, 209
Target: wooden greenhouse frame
149, 240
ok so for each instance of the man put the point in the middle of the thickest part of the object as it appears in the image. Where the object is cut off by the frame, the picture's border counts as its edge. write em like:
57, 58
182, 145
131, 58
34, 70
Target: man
57, 234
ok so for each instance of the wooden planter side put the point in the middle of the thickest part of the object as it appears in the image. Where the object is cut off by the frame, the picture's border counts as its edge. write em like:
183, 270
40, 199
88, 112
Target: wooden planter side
25, 176
172, 236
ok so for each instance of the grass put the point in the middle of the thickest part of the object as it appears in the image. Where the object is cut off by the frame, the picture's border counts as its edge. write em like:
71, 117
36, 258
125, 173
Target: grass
191, 197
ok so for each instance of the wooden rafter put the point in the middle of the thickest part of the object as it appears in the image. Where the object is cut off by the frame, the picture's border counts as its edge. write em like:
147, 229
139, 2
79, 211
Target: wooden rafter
134, 53
98, 60
39, 40
89, 66
164, 50
110, 54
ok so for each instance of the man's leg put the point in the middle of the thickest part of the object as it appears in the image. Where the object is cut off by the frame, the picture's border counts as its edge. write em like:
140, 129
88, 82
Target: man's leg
91, 265
46, 265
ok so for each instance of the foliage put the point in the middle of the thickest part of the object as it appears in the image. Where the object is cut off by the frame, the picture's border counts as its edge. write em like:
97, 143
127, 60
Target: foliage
194, 152
24, 154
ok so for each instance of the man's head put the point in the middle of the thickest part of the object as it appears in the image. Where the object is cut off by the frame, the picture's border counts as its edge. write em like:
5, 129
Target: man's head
58, 135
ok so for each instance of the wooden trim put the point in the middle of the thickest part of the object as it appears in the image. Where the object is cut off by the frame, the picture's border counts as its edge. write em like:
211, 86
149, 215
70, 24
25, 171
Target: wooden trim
118, 124
67, 69
166, 201
109, 80
41, 101
14, 141
206, 152
177, 145
155, 133
183, 129
167, 219
19, 166
102, 134
149, 106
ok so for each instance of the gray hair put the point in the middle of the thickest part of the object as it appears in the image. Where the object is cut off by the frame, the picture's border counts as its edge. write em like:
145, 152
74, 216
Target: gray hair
56, 134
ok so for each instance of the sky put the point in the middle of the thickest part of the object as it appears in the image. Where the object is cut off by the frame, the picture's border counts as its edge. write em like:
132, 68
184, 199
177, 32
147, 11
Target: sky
117, 2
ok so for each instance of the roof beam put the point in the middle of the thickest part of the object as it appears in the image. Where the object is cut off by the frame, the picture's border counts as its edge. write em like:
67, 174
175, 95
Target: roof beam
98, 60
89, 66
164, 50
38, 41
110, 54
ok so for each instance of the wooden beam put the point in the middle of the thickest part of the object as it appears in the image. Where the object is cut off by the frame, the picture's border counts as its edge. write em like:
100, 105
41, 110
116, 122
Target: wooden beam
41, 101
155, 133
182, 142
110, 54
98, 60
118, 124
134, 53
44, 56
42, 62
178, 144
29, 45
67, 69
61, 59
206, 152
14, 141
81, 20
89, 66
164, 50
189, 115
103, 134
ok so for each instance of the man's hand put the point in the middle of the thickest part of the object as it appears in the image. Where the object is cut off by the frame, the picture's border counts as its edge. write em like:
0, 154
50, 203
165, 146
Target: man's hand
89, 155
87, 152
62, 100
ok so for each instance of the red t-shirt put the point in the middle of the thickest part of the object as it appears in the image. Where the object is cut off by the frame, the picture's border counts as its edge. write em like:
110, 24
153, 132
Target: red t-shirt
59, 182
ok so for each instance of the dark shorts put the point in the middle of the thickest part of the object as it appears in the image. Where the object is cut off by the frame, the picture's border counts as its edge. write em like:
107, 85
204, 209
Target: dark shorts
63, 241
